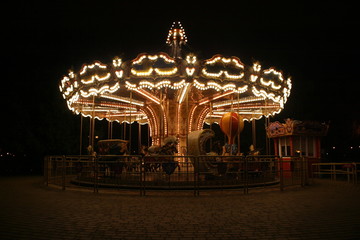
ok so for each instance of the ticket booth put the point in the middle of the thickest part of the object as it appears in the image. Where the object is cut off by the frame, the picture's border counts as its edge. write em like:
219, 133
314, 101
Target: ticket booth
297, 139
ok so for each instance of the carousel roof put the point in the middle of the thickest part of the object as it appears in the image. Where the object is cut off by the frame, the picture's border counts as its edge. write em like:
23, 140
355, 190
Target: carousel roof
124, 88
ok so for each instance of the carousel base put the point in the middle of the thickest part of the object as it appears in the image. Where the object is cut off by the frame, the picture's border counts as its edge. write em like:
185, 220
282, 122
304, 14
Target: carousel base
166, 182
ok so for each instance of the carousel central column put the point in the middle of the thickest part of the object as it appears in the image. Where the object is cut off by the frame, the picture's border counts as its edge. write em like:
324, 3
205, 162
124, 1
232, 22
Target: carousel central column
176, 114
176, 118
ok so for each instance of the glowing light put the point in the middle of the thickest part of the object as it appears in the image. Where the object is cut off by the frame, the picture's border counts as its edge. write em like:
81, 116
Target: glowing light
253, 78
234, 102
183, 92
96, 64
162, 84
152, 70
142, 92
142, 72
265, 94
192, 111
103, 89
217, 58
212, 74
123, 99
218, 87
153, 58
190, 71
228, 62
166, 72
206, 100
268, 83
233, 76
176, 32
117, 62
119, 73
96, 77
256, 67
190, 59
273, 71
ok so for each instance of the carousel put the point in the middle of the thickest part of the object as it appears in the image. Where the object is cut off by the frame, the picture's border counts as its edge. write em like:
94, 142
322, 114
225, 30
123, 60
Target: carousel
175, 93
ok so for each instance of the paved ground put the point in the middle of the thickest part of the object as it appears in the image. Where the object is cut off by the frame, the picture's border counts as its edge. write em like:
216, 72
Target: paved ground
325, 210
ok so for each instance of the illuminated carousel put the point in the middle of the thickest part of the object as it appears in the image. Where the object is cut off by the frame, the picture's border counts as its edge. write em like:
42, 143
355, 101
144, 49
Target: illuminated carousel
174, 93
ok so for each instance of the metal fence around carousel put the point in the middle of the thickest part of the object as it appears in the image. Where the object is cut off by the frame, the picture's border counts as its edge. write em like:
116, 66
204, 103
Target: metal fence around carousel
334, 171
186, 173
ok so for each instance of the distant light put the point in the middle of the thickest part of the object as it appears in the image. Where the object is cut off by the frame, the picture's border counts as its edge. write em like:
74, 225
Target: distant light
351, 147
333, 147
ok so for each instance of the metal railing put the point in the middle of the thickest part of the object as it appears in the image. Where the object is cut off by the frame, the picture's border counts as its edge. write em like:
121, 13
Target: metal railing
337, 171
188, 173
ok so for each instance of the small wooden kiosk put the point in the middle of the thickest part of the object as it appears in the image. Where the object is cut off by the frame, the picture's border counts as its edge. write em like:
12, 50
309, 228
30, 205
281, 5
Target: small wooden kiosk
297, 139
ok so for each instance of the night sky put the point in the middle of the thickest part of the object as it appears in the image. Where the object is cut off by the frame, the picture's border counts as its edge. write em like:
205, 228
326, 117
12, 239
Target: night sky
316, 44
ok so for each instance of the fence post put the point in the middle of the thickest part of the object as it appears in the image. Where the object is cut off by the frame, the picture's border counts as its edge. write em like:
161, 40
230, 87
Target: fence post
141, 182
355, 173
246, 183
333, 171
196, 176
302, 179
46, 170
63, 172
303, 172
281, 174
95, 169
306, 165
142, 176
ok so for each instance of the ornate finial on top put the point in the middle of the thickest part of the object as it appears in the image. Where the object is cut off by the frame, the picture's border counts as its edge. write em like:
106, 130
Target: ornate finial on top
176, 38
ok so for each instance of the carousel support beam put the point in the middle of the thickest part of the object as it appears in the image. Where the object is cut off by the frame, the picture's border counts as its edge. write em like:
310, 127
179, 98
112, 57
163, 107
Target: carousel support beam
148, 134
90, 133
230, 125
253, 130
238, 137
139, 138
160, 120
210, 113
187, 123
130, 150
110, 129
267, 140
93, 134
124, 127
214, 97
81, 133
92, 128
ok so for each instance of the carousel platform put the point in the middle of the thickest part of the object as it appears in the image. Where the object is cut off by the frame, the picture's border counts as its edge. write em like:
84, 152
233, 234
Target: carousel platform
161, 181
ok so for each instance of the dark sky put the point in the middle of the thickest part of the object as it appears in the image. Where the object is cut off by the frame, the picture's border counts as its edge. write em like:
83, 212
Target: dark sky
316, 43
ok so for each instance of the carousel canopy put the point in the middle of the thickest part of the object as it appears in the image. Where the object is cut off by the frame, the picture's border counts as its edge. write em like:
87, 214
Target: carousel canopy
152, 85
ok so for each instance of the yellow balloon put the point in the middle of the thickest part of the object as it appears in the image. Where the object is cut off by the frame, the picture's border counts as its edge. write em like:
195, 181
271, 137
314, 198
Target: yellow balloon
231, 124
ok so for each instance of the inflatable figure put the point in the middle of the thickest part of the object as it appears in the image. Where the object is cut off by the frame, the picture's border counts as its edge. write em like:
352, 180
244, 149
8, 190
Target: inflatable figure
231, 124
